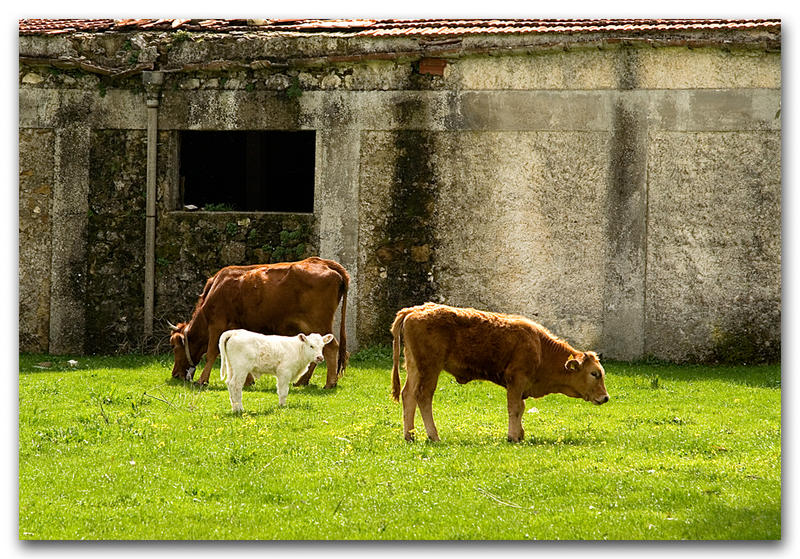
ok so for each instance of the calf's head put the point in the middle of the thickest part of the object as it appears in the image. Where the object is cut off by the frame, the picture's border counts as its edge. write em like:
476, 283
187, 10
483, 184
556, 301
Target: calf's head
183, 368
313, 344
585, 378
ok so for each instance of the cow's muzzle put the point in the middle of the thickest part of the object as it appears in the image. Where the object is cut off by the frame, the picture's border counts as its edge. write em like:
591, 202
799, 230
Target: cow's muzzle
190, 373
602, 400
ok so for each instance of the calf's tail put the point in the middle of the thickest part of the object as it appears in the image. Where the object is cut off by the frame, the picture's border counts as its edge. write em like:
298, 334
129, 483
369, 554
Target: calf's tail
224, 364
397, 330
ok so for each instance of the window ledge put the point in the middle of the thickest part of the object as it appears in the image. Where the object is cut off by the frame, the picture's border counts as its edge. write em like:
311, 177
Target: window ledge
180, 213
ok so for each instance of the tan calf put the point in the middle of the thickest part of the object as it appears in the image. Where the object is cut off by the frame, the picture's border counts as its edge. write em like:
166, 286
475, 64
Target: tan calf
512, 351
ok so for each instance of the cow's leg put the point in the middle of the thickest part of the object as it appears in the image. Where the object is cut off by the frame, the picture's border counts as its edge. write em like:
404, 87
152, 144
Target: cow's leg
211, 355
235, 383
303, 381
331, 354
516, 407
427, 386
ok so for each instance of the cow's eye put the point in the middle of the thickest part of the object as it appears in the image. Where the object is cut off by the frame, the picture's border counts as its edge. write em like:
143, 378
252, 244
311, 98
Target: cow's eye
596, 374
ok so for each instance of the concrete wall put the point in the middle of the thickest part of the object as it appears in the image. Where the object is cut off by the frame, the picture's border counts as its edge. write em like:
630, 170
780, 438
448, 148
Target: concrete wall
626, 197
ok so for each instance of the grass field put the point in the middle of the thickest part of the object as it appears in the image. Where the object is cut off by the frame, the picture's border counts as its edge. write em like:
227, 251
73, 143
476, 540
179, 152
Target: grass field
115, 449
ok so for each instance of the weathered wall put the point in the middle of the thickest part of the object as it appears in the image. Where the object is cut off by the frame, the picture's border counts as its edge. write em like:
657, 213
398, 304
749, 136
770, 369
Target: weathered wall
525, 233
35, 192
714, 246
628, 198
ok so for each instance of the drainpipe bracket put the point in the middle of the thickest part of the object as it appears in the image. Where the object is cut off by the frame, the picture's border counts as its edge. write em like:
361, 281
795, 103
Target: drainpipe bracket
153, 82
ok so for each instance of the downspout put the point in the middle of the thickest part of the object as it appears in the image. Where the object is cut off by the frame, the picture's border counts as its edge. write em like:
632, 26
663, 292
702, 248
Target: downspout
152, 85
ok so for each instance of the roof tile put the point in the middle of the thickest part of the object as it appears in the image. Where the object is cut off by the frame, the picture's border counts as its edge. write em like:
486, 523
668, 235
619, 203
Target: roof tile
394, 27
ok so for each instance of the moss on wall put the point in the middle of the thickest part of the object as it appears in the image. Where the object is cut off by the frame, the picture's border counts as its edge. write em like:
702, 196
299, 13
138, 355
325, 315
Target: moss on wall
193, 246
115, 241
401, 248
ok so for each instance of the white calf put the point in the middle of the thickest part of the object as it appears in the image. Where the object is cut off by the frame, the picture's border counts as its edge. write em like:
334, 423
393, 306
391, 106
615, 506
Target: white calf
286, 357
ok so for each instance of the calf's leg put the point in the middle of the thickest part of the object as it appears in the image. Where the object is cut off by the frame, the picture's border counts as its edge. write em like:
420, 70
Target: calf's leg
427, 386
408, 396
235, 383
516, 407
284, 378
409, 409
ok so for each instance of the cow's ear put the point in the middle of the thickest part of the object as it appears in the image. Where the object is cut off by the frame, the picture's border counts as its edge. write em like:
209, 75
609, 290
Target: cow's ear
572, 364
302, 337
327, 338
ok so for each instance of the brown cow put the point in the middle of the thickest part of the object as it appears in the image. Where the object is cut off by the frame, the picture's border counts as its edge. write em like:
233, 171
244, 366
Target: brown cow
283, 299
508, 350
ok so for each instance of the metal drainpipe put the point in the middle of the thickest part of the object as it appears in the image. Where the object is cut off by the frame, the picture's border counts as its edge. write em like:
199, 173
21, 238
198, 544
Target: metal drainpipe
152, 84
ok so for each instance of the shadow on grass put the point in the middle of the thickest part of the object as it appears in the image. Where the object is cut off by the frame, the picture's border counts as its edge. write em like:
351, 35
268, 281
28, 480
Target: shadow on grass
489, 441
756, 376
269, 409
261, 385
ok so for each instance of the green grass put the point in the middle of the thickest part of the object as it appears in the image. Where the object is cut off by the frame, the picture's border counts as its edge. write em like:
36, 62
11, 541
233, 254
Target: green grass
115, 449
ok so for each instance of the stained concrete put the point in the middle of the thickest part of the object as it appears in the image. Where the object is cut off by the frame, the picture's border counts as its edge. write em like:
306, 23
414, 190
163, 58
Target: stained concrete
69, 224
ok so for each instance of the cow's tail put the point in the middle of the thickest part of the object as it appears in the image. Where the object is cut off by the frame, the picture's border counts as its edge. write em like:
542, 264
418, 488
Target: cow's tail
397, 330
224, 363
343, 287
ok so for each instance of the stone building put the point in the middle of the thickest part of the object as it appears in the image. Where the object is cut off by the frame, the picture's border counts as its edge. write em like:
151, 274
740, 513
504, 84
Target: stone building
617, 180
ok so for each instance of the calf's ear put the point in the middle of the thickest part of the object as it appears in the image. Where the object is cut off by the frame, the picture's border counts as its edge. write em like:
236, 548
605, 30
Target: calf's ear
302, 337
327, 338
572, 364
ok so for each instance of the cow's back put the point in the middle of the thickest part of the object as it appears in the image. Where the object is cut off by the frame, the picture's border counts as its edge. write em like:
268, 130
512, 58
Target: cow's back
468, 343
281, 299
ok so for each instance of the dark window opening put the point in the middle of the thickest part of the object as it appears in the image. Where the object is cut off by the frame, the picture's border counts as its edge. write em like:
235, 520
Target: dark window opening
271, 171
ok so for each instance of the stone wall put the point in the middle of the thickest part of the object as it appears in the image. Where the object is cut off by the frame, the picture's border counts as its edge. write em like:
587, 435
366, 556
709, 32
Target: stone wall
193, 246
627, 197
115, 237
35, 247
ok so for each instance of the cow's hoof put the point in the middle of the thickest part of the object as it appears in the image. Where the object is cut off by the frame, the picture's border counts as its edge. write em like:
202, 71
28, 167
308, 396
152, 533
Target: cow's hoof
513, 440
301, 383
201, 384
329, 385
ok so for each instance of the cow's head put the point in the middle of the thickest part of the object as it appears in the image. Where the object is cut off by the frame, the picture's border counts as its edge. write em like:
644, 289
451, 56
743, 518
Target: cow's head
586, 378
184, 363
313, 344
